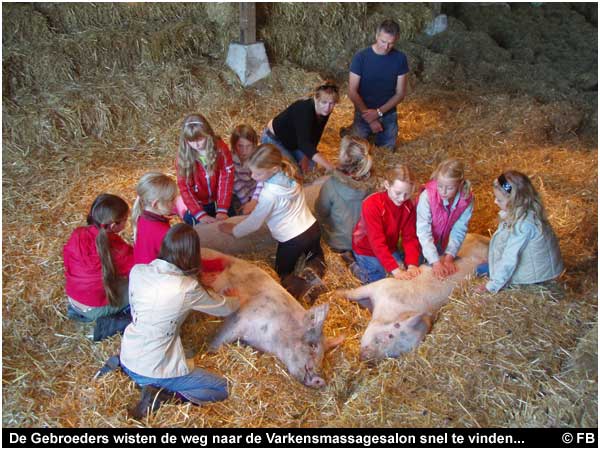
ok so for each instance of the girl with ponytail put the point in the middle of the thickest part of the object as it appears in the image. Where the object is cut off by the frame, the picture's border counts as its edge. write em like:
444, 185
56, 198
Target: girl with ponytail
281, 204
97, 262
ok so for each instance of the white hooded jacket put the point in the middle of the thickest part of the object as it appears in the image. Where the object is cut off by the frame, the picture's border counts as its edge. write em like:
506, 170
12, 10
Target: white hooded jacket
282, 206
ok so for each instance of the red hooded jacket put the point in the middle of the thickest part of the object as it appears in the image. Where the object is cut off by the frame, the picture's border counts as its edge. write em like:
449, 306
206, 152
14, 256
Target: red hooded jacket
83, 270
204, 189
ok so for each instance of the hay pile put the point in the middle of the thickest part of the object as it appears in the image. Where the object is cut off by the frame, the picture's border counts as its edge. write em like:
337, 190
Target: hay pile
524, 357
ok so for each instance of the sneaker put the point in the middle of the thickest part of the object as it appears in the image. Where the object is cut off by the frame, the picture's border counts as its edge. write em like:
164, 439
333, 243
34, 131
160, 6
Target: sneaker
112, 363
151, 399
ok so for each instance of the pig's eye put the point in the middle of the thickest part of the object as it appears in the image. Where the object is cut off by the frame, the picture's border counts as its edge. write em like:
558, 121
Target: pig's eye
391, 336
396, 325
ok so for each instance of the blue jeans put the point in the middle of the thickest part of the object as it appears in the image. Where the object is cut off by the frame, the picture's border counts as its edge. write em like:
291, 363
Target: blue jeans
210, 209
294, 156
369, 268
386, 138
199, 386
482, 270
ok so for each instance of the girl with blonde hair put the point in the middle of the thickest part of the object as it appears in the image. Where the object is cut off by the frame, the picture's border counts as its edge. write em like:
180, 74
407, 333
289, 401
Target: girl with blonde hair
524, 248
283, 207
443, 213
297, 130
156, 195
386, 217
204, 173
340, 199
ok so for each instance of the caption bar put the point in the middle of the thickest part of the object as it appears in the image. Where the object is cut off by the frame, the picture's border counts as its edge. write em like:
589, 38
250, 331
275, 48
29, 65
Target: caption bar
311, 438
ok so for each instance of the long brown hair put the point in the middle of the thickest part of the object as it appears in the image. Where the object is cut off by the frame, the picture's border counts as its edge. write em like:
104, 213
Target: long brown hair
181, 247
193, 127
106, 210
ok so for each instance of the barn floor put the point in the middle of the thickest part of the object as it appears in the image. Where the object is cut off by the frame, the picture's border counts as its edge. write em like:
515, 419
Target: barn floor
526, 357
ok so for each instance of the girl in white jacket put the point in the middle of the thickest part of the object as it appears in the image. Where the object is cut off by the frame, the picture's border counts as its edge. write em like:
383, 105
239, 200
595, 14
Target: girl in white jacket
161, 295
524, 248
282, 206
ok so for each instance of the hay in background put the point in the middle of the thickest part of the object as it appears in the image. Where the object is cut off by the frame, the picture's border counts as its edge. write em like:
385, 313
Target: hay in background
340, 30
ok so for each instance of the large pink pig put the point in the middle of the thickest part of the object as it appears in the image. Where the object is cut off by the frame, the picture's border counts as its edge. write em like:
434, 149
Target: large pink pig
270, 319
404, 310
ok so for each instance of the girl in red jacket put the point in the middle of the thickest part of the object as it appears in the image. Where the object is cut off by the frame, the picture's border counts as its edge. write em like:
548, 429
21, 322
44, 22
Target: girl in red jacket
155, 202
97, 263
204, 173
386, 217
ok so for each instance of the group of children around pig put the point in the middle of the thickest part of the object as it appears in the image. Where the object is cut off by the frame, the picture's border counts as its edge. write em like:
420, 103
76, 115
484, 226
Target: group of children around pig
148, 289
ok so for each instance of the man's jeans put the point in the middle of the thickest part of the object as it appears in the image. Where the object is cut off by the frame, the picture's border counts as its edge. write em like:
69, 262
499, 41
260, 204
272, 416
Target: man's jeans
199, 386
386, 138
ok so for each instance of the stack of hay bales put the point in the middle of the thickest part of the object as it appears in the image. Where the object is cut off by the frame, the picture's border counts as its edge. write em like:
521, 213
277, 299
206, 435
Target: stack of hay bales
75, 70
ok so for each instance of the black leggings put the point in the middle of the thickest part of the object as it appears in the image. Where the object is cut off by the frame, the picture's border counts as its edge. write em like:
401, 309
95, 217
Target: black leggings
288, 252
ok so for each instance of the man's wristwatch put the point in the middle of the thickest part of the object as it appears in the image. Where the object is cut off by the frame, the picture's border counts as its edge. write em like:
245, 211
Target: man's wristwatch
379, 113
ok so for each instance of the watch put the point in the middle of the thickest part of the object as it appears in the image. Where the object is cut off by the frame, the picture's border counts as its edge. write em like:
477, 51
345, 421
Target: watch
379, 113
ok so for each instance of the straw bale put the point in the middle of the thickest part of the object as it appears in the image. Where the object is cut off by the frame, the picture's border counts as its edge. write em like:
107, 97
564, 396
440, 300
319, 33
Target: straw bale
21, 22
71, 18
345, 27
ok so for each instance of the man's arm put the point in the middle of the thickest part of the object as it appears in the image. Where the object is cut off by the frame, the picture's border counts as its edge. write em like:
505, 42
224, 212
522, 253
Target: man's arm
368, 115
398, 96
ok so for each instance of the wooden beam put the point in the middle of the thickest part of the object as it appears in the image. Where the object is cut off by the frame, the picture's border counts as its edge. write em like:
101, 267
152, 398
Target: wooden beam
247, 23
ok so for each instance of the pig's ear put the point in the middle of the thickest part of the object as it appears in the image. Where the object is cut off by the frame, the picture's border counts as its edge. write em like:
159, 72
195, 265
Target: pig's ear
313, 320
332, 342
420, 323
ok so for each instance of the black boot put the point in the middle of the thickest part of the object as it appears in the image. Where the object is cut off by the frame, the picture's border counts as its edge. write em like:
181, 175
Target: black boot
110, 325
312, 275
295, 285
151, 399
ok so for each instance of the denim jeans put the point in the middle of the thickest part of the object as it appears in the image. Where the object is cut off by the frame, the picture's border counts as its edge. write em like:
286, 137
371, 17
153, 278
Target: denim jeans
482, 270
294, 156
369, 268
210, 209
387, 137
199, 386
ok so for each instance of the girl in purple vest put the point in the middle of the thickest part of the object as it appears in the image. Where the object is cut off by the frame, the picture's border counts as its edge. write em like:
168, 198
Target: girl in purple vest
443, 213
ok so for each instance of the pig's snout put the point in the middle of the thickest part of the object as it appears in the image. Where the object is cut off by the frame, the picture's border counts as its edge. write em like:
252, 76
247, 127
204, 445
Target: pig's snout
367, 356
311, 379
315, 382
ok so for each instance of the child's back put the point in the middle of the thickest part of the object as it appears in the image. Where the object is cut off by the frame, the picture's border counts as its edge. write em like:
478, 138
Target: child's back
339, 203
83, 268
338, 208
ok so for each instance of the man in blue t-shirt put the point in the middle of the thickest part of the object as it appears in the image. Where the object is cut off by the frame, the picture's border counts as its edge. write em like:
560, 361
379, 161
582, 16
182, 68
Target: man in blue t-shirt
377, 84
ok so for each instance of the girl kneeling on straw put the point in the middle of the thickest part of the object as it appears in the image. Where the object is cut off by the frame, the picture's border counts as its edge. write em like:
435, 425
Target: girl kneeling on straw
282, 206
524, 248
162, 294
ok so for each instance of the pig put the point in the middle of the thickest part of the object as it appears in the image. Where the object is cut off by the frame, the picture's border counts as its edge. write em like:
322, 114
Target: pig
259, 241
270, 319
403, 311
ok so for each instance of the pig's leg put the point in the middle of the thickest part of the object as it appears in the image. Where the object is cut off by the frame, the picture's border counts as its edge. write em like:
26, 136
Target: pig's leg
360, 295
229, 332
